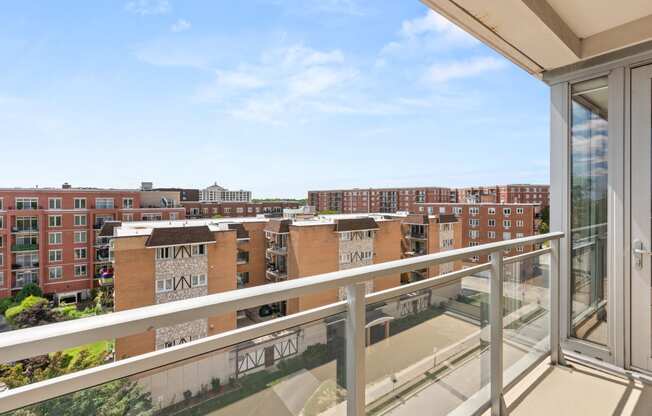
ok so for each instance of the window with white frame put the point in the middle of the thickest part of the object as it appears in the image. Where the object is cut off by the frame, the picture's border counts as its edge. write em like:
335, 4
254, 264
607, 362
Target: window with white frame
164, 285
127, 203
227, 210
519, 223
127, 217
491, 234
474, 233
54, 203
2, 222
80, 237
55, 221
507, 223
81, 270
104, 203
199, 250
80, 203
55, 256
26, 203
474, 210
519, 249
198, 280
457, 210
156, 216
81, 254
474, 222
346, 236
2, 259
55, 238
2, 241
2, 203
2, 278
492, 211
55, 273
519, 210
507, 211
520, 235
80, 220
491, 223
173, 216
163, 253
239, 210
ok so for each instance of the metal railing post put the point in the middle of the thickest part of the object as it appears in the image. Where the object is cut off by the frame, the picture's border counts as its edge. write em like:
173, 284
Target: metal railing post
556, 355
496, 326
355, 349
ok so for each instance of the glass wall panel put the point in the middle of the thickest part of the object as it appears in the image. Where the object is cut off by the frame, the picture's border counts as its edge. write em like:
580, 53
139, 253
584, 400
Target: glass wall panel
589, 173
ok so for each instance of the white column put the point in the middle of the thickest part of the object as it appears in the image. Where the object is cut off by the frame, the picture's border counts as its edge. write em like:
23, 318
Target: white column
556, 355
355, 349
496, 324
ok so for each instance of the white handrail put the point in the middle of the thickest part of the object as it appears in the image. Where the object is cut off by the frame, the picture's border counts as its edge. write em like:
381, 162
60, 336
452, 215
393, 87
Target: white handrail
34, 341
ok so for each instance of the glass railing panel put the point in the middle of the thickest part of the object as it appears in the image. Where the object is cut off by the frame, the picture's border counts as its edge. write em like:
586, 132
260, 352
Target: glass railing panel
526, 314
427, 352
298, 371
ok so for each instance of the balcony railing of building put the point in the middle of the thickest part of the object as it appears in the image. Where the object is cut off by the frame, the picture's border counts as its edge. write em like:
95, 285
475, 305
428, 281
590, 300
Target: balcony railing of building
24, 247
21, 230
24, 266
352, 312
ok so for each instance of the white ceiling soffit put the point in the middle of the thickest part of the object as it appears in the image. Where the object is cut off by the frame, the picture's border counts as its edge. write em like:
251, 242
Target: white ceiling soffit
541, 35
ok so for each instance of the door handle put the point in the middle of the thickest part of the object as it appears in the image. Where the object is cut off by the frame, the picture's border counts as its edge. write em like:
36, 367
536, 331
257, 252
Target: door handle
638, 252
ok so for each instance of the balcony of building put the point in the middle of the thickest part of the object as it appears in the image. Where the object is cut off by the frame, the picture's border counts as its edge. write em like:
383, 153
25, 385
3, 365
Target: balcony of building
20, 247
22, 277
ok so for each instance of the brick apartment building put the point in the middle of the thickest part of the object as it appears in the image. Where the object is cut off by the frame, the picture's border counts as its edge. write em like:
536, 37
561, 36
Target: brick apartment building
196, 209
484, 223
48, 236
507, 194
405, 199
389, 200
158, 262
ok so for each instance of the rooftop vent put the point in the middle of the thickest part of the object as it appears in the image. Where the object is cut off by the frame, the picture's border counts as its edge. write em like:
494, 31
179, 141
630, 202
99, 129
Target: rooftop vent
66, 185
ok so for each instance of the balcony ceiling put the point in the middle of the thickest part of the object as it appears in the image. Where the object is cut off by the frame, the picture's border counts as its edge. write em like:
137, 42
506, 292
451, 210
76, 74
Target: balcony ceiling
542, 35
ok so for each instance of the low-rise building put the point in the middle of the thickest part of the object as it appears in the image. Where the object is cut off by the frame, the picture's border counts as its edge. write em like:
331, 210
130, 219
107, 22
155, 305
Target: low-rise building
216, 193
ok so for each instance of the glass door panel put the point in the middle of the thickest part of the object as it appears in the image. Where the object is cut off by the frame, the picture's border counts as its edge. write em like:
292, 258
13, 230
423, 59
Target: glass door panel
589, 209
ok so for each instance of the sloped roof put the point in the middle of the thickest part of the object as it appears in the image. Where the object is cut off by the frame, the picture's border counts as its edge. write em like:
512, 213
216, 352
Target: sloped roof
179, 235
108, 227
278, 226
355, 224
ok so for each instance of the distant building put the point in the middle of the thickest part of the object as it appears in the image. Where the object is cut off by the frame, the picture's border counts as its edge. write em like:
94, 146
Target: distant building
236, 209
216, 193
387, 200
49, 236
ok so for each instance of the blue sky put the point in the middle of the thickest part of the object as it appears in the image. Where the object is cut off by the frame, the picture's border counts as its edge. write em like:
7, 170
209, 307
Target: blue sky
276, 96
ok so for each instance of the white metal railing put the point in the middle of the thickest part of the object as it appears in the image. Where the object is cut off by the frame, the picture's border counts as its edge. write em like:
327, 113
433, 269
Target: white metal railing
26, 343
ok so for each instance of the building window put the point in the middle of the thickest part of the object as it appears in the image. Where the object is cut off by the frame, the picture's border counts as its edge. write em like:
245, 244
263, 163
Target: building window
80, 203
199, 280
2, 203
492, 211
346, 236
456, 210
127, 217
519, 249
104, 203
491, 223
519, 223
507, 211
26, 203
507, 223
164, 285
242, 256
519, 210
127, 203
239, 210
54, 220
80, 254
163, 253
55, 256
80, 220
2, 278
80, 237
54, 203
80, 270
242, 278
227, 210
152, 217
491, 234
55, 273
199, 250
519, 235
2, 222
55, 238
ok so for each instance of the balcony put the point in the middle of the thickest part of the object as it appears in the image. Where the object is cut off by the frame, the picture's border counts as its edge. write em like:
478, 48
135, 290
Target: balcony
275, 275
24, 230
416, 236
24, 247
448, 363
19, 266
277, 249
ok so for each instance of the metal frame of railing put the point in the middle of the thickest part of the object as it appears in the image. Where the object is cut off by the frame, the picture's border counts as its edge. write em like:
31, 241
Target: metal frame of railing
26, 343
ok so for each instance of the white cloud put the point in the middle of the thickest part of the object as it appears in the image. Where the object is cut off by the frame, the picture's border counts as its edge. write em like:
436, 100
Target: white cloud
342, 7
148, 7
444, 72
423, 35
180, 25
236, 79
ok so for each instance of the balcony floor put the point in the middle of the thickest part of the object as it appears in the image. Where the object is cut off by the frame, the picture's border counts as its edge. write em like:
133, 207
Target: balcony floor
579, 390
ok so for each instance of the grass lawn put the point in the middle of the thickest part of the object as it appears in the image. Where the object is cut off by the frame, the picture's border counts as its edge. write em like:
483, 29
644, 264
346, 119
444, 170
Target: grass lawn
94, 349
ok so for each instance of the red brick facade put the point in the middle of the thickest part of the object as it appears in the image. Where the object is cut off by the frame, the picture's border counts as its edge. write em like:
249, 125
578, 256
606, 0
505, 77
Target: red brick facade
372, 200
49, 236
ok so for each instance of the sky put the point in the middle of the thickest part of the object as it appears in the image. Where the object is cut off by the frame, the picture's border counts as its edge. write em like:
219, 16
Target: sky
275, 96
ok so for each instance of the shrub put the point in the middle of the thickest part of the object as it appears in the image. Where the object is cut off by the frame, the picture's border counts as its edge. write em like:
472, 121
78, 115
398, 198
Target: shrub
30, 289
215, 383
187, 395
5, 304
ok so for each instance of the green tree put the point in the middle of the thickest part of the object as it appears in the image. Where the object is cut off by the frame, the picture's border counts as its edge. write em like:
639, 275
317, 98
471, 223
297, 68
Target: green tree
32, 311
30, 289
